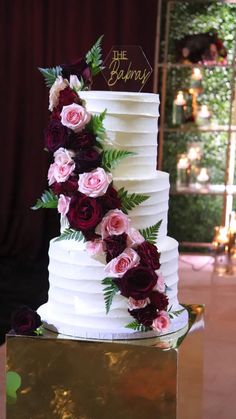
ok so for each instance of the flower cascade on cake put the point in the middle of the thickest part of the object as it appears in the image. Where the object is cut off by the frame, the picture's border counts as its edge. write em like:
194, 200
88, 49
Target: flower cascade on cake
81, 188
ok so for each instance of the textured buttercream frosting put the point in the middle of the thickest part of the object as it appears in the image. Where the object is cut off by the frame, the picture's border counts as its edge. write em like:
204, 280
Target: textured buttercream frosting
76, 302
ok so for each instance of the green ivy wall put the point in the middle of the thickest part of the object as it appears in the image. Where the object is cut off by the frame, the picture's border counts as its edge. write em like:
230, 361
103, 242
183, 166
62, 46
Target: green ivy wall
192, 218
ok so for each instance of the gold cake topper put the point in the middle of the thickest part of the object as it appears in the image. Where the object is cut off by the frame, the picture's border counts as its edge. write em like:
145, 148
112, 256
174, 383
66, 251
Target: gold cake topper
126, 68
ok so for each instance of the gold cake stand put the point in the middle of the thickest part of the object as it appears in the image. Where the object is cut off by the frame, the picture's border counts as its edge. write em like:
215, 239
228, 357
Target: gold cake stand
63, 378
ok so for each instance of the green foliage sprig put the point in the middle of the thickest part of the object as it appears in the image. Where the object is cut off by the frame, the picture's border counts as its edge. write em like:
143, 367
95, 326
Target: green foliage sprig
109, 292
50, 74
150, 234
71, 234
112, 157
96, 127
129, 201
94, 57
47, 200
138, 327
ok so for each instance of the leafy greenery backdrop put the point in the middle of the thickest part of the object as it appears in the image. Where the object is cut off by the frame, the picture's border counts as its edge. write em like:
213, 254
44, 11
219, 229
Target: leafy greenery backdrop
192, 218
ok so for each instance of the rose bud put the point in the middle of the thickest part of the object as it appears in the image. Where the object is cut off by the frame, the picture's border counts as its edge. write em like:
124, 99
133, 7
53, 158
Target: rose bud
25, 321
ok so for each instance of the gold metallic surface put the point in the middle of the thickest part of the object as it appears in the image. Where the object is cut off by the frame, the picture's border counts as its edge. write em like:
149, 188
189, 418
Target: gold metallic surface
75, 379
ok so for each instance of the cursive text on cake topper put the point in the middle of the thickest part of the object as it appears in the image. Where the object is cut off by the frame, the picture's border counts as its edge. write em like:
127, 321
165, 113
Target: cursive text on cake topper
126, 68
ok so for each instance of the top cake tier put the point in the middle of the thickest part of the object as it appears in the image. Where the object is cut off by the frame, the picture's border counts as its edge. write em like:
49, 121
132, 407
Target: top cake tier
131, 124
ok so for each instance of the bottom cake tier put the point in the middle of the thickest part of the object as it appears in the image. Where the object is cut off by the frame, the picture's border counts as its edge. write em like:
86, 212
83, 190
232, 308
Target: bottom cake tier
76, 302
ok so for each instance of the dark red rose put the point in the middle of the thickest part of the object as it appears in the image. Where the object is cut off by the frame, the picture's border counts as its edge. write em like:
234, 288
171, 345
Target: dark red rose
80, 69
87, 160
159, 300
145, 315
25, 321
56, 115
84, 213
110, 200
67, 96
68, 188
55, 135
137, 282
81, 140
149, 255
115, 245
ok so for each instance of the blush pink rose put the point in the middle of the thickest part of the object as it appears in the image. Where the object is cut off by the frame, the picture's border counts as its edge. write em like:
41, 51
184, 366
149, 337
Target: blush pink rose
94, 247
63, 156
160, 285
75, 117
114, 223
94, 183
162, 322
58, 173
134, 238
122, 263
63, 204
74, 82
133, 304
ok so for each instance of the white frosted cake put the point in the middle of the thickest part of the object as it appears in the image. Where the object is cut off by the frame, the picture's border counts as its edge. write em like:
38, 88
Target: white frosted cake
76, 304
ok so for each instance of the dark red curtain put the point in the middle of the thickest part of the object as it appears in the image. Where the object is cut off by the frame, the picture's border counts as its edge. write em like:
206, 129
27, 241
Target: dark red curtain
44, 33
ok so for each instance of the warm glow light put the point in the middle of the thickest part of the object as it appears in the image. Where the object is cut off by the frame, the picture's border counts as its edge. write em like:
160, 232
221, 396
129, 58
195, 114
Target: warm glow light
180, 99
223, 235
204, 112
203, 175
194, 152
183, 163
196, 74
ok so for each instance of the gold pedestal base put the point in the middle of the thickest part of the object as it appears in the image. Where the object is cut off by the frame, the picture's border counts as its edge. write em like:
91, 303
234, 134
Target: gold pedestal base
76, 379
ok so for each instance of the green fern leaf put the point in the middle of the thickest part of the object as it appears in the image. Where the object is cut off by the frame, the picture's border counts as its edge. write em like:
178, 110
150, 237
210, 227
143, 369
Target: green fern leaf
129, 201
50, 74
109, 292
176, 313
47, 200
112, 157
96, 127
138, 327
150, 234
70, 234
94, 57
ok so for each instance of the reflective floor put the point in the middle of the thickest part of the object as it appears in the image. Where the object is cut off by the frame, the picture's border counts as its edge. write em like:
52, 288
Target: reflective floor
199, 284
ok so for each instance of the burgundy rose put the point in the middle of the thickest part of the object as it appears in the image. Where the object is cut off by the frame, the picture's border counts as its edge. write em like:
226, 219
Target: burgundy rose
81, 140
56, 135
145, 315
67, 96
87, 160
115, 245
159, 300
80, 69
137, 282
55, 115
111, 199
149, 255
85, 213
25, 321
68, 188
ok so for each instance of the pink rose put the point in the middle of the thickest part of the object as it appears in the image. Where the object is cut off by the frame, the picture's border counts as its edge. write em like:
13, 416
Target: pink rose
94, 247
114, 223
63, 204
58, 173
63, 156
74, 82
122, 263
94, 183
134, 238
75, 117
162, 322
160, 285
133, 304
